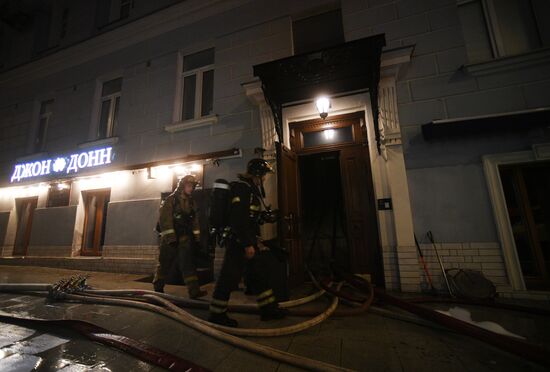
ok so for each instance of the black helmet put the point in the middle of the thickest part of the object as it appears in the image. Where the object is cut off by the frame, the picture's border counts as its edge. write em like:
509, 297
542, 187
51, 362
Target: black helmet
258, 167
187, 179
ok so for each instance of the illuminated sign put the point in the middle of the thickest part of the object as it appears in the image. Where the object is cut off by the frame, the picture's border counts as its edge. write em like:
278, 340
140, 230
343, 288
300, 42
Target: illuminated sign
62, 165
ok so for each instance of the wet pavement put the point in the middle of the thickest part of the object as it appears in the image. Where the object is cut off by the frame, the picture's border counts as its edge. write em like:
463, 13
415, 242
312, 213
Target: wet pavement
365, 342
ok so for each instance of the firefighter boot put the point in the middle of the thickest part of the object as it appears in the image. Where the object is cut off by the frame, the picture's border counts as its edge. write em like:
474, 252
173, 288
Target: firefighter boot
159, 286
272, 311
195, 291
222, 319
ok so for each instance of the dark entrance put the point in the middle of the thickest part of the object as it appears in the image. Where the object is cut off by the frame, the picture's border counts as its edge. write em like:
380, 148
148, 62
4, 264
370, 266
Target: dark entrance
528, 202
324, 234
326, 198
25, 211
95, 219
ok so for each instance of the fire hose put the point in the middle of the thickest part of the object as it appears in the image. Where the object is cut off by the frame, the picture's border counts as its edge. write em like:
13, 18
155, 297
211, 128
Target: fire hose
63, 291
524, 349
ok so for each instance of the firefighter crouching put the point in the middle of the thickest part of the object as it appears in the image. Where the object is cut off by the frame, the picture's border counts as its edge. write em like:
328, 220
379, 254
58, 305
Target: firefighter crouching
242, 245
179, 231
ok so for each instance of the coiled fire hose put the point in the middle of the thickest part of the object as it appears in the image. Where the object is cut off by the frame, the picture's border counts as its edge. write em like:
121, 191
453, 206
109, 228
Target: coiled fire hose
202, 326
524, 349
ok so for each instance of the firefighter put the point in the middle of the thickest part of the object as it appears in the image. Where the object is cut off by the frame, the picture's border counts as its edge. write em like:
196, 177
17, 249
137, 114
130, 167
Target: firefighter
242, 248
179, 231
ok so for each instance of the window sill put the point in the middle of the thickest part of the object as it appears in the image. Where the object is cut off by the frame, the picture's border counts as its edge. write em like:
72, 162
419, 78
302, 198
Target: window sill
539, 56
191, 124
99, 142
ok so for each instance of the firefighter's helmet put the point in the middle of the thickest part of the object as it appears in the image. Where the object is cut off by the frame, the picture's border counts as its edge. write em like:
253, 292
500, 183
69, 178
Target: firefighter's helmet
189, 179
258, 167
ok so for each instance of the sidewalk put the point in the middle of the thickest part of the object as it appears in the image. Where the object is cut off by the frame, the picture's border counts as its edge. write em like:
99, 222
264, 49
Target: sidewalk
366, 342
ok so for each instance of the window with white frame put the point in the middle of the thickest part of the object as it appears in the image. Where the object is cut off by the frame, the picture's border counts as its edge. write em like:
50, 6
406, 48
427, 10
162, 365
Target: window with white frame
46, 109
197, 85
109, 105
500, 28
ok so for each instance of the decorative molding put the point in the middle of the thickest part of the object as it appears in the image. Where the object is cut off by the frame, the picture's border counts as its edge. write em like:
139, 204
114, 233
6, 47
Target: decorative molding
491, 165
100, 142
255, 94
389, 127
499, 65
392, 60
191, 124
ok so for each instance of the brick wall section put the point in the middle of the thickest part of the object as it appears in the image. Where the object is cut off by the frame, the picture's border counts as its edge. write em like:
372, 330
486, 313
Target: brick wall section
408, 269
391, 269
131, 251
113, 265
484, 257
49, 251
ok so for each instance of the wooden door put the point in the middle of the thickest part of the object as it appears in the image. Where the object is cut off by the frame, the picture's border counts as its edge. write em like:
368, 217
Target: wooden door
528, 202
95, 220
361, 219
289, 209
25, 212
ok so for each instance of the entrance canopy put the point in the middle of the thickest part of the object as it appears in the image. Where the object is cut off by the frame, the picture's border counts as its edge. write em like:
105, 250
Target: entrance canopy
348, 67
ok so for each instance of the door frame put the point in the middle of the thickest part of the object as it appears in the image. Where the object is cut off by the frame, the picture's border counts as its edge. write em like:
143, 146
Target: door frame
491, 164
96, 250
360, 138
28, 230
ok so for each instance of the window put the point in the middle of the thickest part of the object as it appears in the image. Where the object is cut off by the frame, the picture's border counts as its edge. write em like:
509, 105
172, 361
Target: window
110, 11
59, 194
499, 28
125, 8
110, 102
43, 123
318, 32
198, 85
328, 137
64, 23
95, 220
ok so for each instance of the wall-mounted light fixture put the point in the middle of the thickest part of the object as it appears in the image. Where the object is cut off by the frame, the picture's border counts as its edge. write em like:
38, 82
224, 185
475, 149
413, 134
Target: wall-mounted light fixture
323, 105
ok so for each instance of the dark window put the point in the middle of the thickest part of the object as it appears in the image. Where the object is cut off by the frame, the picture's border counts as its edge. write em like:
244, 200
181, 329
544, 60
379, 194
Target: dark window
59, 194
499, 28
42, 28
110, 102
318, 32
64, 22
125, 6
328, 137
44, 119
198, 84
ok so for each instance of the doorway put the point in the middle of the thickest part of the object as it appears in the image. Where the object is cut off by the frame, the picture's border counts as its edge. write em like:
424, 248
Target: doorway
324, 234
528, 204
25, 211
95, 219
326, 198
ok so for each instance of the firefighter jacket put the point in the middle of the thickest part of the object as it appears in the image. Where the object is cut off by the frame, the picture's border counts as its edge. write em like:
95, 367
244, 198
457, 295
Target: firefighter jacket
245, 212
178, 218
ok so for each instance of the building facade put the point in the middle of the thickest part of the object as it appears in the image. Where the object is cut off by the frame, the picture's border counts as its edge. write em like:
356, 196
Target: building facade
438, 122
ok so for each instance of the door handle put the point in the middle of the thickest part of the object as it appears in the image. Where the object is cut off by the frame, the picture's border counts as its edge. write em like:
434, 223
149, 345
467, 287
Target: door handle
290, 221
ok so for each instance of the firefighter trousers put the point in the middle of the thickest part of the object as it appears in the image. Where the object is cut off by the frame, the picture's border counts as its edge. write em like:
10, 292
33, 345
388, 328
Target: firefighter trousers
233, 266
182, 254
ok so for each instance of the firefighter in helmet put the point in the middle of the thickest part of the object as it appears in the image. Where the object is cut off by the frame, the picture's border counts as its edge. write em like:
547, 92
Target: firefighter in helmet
179, 231
242, 246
